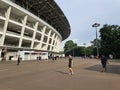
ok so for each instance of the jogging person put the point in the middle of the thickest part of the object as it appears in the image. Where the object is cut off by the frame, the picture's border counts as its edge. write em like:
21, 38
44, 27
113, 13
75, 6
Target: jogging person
70, 64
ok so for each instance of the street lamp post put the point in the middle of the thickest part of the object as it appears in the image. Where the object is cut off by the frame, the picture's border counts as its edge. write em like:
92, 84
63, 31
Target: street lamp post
96, 25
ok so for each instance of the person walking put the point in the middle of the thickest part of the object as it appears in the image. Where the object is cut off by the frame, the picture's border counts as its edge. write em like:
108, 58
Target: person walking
104, 62
19, 59
3, 53
70, 63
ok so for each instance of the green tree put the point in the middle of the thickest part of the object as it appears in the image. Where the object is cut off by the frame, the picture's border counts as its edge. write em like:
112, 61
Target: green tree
69, 45
76, 51
96, 42
94, 45
90, 50
110, 40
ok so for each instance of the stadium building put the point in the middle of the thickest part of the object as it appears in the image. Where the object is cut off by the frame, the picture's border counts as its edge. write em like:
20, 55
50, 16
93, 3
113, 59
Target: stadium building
31, 28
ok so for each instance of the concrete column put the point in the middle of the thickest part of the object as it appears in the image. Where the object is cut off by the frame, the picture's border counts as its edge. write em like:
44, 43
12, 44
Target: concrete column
23, 29
7, 14
52, 41
34, 34
42, 37
58, 45
48, 38
55, 44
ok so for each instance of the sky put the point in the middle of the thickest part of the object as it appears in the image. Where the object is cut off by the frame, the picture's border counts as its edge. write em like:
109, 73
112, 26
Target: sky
82, 14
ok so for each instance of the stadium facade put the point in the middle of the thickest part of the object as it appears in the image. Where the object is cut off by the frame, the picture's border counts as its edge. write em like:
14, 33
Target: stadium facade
31, 28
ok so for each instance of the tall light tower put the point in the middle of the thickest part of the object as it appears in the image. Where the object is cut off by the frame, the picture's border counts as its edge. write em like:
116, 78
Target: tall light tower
96, 25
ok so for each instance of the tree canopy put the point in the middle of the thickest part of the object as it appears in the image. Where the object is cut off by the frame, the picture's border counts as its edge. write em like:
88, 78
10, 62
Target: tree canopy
69, 45
72, 48
110, 40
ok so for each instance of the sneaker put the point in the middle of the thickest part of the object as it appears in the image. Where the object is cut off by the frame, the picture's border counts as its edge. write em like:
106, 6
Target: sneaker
72, 73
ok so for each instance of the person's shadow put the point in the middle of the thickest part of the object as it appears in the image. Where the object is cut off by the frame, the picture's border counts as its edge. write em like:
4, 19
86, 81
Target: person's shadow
115, 69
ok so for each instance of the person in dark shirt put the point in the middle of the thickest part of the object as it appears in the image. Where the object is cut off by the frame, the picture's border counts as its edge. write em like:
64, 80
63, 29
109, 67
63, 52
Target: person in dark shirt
70, 65
104, 62
19, 59
3, 53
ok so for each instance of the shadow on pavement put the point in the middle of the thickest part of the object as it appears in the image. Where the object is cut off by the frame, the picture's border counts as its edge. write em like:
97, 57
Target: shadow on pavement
115, 69
61, 72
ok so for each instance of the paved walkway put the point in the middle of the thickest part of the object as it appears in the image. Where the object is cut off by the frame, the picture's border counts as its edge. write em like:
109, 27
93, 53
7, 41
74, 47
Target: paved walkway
49, 75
